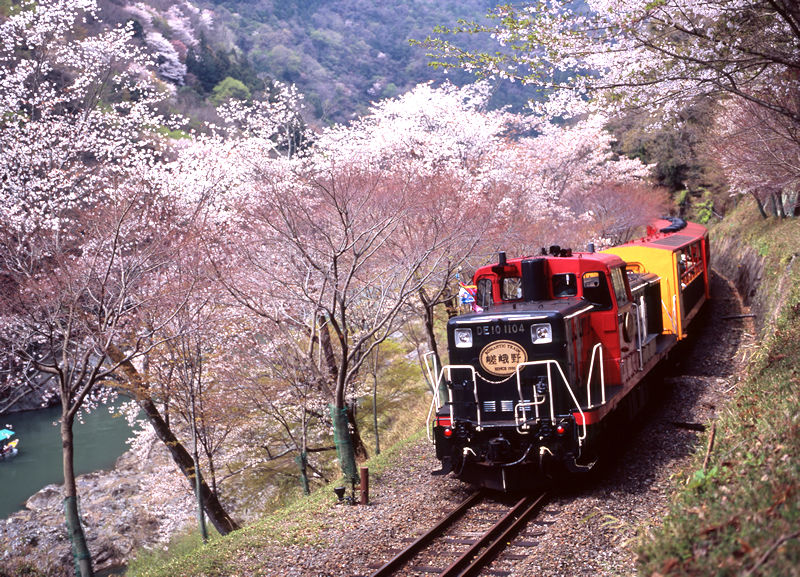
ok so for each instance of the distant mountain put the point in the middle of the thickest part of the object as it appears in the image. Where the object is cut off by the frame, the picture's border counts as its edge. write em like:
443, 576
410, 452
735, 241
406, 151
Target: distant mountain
342, 54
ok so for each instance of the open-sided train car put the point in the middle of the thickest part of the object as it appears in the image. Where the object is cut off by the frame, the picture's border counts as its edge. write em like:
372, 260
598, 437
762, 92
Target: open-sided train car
556, 351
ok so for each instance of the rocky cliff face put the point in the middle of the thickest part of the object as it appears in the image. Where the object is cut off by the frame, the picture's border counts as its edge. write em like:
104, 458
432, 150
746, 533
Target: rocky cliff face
744, 267
118, 517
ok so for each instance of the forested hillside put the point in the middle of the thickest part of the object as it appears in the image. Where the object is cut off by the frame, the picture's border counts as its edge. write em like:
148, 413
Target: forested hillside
341, 55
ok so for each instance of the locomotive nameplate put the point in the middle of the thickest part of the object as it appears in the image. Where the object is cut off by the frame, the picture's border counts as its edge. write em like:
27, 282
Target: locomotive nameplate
501, 358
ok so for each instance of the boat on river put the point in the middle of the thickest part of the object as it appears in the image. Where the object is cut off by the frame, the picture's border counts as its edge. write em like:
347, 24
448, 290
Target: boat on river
8, 444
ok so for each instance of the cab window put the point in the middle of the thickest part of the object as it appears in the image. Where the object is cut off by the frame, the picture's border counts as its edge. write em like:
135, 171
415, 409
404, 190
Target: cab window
618, 282
634, 268
511, 289
565, 285
595, 290
483, 296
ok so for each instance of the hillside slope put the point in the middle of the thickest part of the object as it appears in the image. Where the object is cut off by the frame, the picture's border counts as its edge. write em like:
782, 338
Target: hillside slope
342, 55
737, 510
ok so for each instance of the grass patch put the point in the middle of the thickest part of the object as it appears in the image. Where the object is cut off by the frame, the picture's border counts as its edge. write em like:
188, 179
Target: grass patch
292, 519
740, 515
299, 523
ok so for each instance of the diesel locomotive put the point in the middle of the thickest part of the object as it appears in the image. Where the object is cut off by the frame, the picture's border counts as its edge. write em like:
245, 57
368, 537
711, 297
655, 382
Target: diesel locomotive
554, 354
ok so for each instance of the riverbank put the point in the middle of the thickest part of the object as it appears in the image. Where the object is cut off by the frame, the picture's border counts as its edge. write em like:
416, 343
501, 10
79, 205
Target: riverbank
100, 437
123, 509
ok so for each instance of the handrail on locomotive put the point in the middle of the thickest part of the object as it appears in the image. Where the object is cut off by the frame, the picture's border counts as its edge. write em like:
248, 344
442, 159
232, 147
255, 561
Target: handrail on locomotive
522, 422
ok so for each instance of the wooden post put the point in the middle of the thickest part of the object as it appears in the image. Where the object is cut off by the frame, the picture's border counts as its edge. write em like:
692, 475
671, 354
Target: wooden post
364, 485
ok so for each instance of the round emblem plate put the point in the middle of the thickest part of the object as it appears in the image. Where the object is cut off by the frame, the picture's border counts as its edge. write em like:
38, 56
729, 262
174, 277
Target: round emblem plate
501, 358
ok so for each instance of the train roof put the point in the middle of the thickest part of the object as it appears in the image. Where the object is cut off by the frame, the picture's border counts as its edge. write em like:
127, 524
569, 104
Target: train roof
667, 234
579, 261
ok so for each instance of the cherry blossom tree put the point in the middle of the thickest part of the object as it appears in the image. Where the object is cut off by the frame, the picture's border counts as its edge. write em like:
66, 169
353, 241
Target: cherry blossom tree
186, 374
92, 217
185, 190
641, 53
660, 57
287, 400
759, 150
440, 141
68, 148
316, 244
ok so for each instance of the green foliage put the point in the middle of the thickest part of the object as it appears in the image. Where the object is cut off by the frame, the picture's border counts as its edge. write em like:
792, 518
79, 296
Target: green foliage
675, 147
741, 515
211, 66
230, 88
681, 197
180, 545
702, 481
170, 133
390, 90
5, 7
704, 208
341, 54
697, 205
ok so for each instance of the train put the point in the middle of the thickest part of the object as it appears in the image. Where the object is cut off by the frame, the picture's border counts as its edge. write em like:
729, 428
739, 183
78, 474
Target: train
553, 355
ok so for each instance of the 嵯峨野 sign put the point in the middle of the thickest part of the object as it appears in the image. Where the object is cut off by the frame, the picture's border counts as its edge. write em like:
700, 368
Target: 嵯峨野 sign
501, 358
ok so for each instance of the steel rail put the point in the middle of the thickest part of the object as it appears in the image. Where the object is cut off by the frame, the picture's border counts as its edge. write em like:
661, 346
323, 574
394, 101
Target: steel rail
401, 558
496, 539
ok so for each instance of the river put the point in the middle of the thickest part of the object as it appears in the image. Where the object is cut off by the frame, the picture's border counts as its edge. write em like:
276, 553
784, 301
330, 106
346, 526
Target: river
99, 440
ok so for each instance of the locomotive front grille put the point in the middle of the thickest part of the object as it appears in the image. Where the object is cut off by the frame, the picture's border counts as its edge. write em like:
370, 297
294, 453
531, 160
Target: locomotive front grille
506, 406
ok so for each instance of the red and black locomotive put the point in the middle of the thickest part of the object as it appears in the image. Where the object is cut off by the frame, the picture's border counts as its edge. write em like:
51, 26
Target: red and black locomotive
558, 351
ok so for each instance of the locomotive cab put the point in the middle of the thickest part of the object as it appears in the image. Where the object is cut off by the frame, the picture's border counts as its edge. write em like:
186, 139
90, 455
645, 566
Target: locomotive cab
548, 347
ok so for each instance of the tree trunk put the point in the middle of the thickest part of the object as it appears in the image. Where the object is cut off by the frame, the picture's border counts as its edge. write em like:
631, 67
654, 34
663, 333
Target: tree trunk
375, 403
433, 345
349, 446
761, 210
80, 551
359, 448
779, 210
214, 509
302, 464
344, 443
327, 348
429, 332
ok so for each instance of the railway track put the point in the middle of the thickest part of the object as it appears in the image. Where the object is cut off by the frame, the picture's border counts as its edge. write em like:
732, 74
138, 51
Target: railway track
467, 540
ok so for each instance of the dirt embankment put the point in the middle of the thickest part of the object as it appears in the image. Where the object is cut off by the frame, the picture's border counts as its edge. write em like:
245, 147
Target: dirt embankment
743, 266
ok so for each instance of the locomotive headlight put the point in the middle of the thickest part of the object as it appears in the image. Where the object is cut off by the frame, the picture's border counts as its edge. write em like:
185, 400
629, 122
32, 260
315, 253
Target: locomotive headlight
541, 334
463, 338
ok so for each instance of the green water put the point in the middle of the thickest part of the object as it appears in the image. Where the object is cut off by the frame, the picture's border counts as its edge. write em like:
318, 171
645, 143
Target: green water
98, 443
